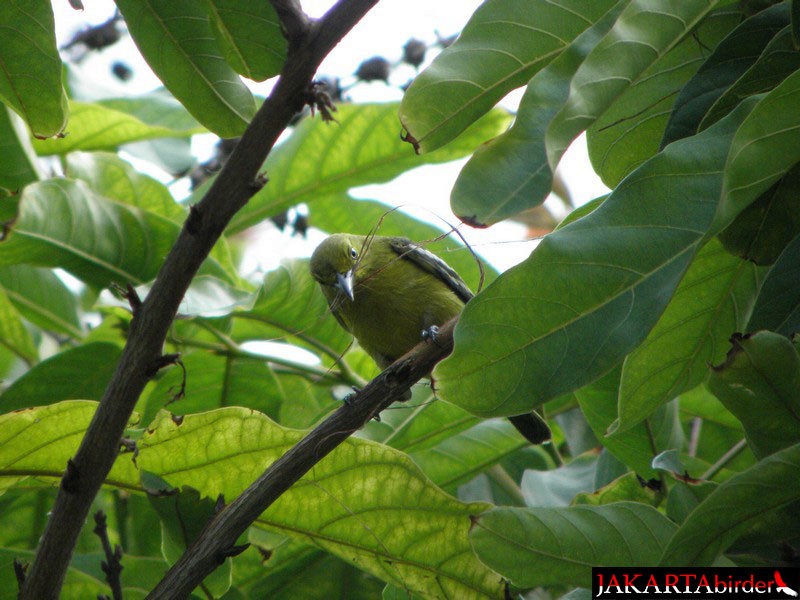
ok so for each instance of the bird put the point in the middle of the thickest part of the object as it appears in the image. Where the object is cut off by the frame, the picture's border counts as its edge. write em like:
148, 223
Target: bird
390, 294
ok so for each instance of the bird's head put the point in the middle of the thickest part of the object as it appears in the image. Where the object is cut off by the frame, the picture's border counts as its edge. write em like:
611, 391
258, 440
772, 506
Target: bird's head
334, 261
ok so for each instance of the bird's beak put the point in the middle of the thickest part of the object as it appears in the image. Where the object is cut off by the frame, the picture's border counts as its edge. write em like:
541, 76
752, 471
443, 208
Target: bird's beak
345, 283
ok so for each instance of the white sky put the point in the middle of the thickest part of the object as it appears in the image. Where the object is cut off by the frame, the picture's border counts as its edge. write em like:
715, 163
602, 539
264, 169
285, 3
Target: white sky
383, 32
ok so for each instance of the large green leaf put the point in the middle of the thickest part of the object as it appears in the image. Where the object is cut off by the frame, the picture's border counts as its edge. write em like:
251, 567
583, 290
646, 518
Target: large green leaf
82, 372
36, 443
501, 47
779, 59
712, 302
30, 77
759, 382
62, 223
249, 35
177, 41
213, 381
559, 546
730, 60
591, 291
645, 32
110, 176
510, 173
115, 179
13, 333
765, 148
19, 165
734, 507
637, 446
42, 298
363, 146
764, 228
365, 502
630, 130
93, 126
778, 304
460, 457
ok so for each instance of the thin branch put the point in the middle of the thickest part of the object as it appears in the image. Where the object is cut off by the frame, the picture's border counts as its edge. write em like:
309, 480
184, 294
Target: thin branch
230, 191
723, 461
218, 540
112, 565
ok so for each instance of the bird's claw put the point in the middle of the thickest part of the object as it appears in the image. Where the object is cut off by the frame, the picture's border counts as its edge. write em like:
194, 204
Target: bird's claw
430, 334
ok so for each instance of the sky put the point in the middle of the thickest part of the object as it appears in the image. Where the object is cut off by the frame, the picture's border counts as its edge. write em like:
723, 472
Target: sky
383, 31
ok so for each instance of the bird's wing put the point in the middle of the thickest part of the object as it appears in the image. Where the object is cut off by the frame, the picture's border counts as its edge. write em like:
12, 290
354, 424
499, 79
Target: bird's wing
431, 263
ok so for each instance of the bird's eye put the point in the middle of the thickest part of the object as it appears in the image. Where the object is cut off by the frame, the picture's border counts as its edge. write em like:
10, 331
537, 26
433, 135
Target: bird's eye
353, 253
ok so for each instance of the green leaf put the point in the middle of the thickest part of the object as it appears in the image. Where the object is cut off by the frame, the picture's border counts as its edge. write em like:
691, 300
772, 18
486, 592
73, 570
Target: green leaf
13, 333
504, 43
112, 177
636, 446
644, 33
460, 457
558, 487
422, 424
763, 229
177, 42
712, 302
728, 62
778, 60
777, 306
591, 291
510, 173
82, 372
362, 146
93, 126
759, 382
42, 298
734, 507
365, 503
249, 36
30, 78
683, 498
36, 443
559, 546
77, 584
213, 381
19, 165
61, 223
765, 148
630, 130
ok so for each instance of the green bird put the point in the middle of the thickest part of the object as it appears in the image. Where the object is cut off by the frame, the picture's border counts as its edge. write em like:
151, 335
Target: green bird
390, 293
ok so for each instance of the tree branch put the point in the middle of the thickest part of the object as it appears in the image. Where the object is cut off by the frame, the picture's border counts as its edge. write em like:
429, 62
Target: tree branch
218, 539
230, 191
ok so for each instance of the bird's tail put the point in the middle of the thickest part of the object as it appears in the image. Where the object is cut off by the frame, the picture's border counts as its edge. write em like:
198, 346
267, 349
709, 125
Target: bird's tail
532, 426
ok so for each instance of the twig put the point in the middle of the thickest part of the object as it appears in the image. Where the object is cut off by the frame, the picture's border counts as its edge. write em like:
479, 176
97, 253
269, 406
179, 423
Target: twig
215, 542
724, 460
230, 191
111, 566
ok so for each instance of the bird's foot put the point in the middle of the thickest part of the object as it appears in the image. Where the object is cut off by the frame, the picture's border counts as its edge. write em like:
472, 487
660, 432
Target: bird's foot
430, 334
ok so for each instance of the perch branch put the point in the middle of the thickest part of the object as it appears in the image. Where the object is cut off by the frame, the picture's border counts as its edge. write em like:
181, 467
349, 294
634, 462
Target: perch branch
219, 537
230, 191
